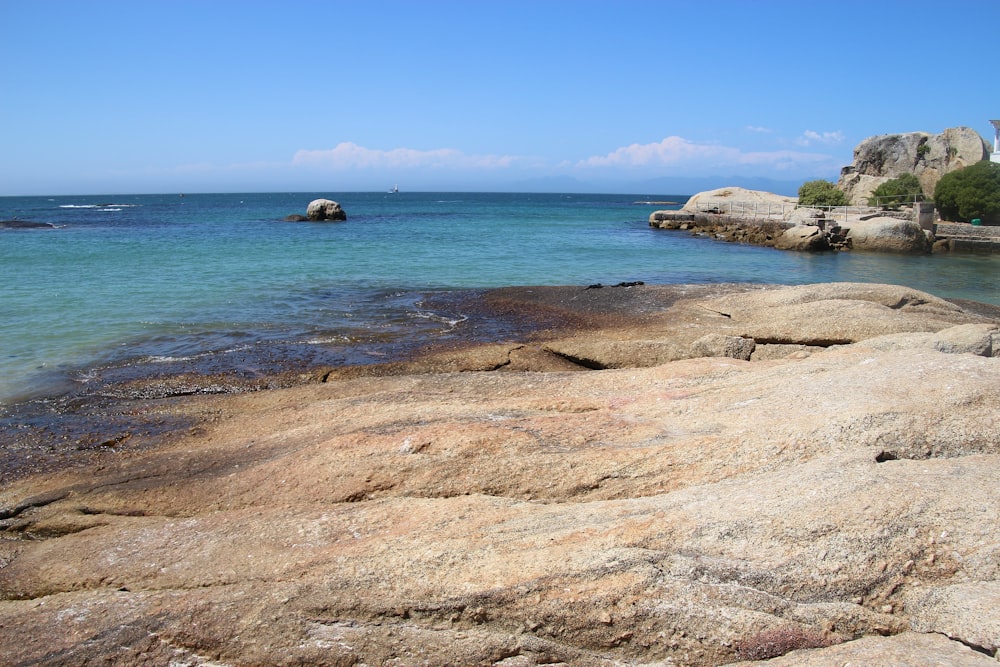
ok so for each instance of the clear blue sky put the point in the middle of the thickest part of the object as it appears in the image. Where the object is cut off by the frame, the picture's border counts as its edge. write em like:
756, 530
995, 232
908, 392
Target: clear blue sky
156, 96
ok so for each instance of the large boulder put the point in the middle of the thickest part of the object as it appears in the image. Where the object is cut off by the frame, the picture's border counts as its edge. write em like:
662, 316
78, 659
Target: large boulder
325, 209
885, 234
928, 156
803, 237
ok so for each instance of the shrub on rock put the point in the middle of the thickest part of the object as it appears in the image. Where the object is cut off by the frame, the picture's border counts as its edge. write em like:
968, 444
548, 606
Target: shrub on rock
901, 190
970, 193
821, 193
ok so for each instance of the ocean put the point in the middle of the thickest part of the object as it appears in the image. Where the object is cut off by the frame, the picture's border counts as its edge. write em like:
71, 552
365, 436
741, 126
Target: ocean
217, 280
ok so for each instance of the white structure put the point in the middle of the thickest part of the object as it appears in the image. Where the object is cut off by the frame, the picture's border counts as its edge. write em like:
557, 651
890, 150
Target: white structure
995, 156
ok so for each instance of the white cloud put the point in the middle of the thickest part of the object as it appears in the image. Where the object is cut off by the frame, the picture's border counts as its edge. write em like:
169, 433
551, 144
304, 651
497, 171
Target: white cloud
758, 128
810, 137
679, 152
348, 155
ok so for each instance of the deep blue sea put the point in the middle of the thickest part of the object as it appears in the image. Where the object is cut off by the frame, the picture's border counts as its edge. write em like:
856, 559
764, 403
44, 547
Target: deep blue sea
166, 277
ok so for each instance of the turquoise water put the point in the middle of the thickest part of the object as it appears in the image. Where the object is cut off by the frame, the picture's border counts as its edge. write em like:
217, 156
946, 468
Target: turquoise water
171, 276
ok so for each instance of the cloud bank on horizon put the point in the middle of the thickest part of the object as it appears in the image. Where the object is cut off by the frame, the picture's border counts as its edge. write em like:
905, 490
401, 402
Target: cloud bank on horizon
672, 155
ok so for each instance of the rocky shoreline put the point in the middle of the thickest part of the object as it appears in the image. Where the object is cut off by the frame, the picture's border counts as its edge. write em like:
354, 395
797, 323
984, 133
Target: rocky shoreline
645, 475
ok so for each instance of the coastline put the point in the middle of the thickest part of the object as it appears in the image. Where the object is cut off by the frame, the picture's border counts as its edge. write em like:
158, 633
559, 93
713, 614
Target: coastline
137, 404
614, 473
140, 405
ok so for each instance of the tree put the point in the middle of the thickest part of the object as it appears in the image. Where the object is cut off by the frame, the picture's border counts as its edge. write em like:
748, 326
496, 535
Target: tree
906, 188
969, 193
821, 193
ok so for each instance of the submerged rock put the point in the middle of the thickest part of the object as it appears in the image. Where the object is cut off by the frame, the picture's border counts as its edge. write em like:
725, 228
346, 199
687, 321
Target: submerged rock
25, 224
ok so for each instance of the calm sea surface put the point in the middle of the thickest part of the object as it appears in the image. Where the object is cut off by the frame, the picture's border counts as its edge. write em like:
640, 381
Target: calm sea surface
167, 277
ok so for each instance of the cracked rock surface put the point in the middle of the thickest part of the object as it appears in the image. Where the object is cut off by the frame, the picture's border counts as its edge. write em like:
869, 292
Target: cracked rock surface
831, 500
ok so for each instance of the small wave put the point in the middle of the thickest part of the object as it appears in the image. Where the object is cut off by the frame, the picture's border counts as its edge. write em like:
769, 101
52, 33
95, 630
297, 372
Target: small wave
102, 207
162, 359
434, 317
324, 340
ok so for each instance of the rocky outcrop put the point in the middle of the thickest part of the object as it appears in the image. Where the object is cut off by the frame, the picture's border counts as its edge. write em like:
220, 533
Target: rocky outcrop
835, 506
325, 209
766, 219
928, 156
765, 203
734, 214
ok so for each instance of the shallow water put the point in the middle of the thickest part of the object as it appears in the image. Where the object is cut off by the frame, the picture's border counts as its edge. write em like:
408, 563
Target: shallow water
200, 279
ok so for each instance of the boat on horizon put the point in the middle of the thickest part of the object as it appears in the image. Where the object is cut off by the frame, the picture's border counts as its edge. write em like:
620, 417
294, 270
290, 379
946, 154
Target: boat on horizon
395, 190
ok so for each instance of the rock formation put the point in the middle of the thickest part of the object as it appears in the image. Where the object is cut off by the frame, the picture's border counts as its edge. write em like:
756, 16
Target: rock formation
763, 218
325, 209
766, 203
928, 156
832, 499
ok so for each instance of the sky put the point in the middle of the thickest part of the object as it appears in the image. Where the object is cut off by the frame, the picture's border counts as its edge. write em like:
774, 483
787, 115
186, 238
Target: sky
150, 96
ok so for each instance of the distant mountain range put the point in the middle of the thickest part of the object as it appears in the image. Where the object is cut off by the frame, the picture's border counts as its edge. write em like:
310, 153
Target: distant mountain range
662, 186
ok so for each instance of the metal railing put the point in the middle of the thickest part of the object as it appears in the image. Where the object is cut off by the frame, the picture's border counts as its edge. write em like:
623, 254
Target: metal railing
754, 208
898, 200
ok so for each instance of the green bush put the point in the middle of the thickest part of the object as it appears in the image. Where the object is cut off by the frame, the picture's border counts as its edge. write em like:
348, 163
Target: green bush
972, 192
821, 193
904, 189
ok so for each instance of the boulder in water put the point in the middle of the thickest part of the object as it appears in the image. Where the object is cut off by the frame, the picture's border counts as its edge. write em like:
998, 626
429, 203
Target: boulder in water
325, 209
